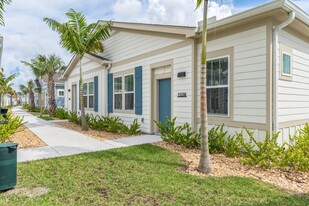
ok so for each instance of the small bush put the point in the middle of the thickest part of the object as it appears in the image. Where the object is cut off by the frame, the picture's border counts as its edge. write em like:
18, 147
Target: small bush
134, 128
74, 118
61, 113
6, 130
26, 106
221, 142
296, 155
108, 124
36, 109
182, 134
266, 153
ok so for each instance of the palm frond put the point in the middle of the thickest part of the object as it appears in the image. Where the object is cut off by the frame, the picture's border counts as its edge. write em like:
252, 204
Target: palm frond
2, 3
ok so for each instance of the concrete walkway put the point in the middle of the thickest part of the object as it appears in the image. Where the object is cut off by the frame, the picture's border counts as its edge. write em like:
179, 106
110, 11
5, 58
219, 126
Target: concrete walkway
64, 142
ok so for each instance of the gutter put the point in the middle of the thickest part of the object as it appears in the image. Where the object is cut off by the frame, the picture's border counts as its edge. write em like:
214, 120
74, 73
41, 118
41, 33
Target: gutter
276, 68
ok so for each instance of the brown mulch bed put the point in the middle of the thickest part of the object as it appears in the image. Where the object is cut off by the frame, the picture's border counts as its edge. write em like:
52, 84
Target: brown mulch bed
293, 182
99, 135
26, 139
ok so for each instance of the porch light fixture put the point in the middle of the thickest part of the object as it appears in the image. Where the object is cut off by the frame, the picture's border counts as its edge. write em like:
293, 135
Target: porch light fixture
181, 74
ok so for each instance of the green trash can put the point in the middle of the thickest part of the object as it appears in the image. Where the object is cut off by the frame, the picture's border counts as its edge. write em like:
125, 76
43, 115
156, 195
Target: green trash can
8, 165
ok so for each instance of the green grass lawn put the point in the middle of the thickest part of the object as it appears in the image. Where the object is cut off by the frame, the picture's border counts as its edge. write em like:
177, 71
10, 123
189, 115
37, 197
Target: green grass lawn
44, 116
141, 175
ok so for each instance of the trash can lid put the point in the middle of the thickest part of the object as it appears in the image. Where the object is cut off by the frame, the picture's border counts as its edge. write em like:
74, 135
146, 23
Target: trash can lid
3, 145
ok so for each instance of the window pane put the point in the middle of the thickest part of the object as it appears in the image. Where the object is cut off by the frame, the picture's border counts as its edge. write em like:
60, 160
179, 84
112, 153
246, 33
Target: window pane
85, 89
129, 83
61, 93
129, 101
91, 102
85, 101
217, 101
224, 75
217, 72
91, 88
118, 101
118, 84
286, 64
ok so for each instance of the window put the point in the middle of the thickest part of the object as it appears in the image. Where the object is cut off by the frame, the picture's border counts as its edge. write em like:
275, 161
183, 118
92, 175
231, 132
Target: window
129, 92
286, 64
118, 93
61, 93
91, 94
218, 86
88, 95
124, 92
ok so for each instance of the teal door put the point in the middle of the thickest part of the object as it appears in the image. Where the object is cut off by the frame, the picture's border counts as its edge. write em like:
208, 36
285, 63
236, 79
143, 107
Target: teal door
164, 99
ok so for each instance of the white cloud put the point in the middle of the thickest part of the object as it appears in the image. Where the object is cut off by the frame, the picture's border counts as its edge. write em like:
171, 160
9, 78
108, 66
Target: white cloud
26, 35
178, 12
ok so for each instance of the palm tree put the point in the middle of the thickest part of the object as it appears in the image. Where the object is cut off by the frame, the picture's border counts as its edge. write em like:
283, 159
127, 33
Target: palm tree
24, 91
205, 165
54, 64
2, 3
80, 38
28, 90
38, 68
5, 83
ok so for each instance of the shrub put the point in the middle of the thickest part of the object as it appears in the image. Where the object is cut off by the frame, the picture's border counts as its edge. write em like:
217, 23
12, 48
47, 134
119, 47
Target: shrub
221, 142
182, 134
265, 153
134, 128
61, 113
74, 118
26, 106
296, 155
6, 130
36, 109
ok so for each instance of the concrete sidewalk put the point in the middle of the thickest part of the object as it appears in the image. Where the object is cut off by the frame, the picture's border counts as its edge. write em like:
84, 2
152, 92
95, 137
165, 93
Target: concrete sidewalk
64, 142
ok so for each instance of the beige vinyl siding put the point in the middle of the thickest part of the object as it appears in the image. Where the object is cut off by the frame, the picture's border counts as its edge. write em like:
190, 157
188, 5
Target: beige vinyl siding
90, 70
249, 90
293, 96
133, 44
182, 62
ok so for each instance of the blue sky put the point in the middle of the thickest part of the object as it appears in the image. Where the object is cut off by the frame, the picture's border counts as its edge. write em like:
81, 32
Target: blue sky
26, 35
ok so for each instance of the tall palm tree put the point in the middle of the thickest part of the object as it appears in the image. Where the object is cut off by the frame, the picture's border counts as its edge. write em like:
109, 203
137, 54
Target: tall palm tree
80, 38
38, 68
205, 165
24, 91
5, 84
28, 90
50, 64
2, 3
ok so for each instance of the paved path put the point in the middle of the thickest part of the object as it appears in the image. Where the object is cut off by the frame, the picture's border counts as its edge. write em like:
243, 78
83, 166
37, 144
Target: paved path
64, 142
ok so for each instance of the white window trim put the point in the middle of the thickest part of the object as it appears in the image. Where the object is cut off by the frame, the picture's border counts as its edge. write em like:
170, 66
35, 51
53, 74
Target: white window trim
117, 92
291, 64
90, 95
87, 95
60, 90
222, 86
123, 92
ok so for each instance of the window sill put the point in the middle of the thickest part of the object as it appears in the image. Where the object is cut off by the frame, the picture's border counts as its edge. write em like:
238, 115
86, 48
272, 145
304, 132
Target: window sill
124, 111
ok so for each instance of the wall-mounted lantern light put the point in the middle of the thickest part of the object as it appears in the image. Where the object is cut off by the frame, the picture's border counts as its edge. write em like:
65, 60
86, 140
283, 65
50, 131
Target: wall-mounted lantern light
181, 74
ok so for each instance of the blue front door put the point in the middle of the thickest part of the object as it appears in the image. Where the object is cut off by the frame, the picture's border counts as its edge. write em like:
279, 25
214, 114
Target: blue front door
164, 99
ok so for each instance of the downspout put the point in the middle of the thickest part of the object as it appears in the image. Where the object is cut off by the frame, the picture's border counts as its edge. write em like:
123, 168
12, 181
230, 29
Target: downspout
106, 88
276, 69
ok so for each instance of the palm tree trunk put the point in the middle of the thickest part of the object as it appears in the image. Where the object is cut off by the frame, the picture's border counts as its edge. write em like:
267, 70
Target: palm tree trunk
205, 165
31, 99
51, 95
81, 99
